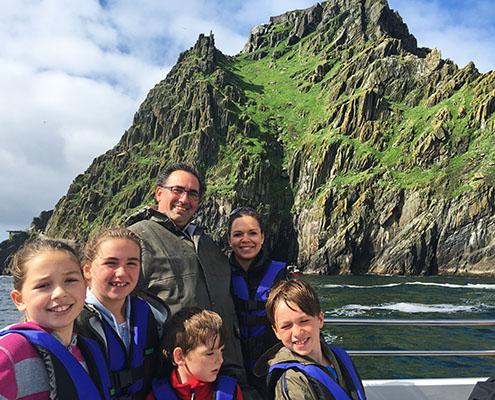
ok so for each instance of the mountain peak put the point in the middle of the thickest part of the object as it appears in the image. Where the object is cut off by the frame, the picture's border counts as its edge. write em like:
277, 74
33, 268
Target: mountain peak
364, 152
343, 22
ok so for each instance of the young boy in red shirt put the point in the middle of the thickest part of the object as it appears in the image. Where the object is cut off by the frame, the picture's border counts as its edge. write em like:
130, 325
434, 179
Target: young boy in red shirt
193, 342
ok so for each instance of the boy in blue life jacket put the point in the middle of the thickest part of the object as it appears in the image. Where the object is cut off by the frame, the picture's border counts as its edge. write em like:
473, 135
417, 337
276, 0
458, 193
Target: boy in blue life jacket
303, 366
193, 343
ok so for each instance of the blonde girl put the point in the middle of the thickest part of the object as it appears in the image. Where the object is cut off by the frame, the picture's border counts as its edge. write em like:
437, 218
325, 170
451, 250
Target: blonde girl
41, 358
125, 325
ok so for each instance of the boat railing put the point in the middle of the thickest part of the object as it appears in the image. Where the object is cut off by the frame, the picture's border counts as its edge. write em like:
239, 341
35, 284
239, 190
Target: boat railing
414, 322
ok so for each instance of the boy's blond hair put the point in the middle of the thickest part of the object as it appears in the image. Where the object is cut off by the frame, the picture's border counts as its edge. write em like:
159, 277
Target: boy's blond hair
293, 291
191, 327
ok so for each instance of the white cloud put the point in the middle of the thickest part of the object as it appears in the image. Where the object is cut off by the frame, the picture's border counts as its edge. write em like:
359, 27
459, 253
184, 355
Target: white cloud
462, 31
73, 73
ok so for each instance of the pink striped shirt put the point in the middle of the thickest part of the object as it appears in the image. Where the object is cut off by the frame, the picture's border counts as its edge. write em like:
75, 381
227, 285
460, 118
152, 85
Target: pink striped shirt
22, 372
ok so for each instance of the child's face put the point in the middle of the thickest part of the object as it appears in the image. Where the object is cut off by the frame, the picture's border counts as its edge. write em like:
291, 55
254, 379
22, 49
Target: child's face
298, 331
53, 292
115, 270
202, 363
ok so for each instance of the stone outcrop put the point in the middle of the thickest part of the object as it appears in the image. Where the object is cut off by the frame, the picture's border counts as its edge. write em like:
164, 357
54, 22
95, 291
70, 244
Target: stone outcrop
366, 153
18, 238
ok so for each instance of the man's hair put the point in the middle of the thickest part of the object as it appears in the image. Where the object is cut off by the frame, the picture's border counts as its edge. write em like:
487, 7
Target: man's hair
293, 291
163, 175
191, 327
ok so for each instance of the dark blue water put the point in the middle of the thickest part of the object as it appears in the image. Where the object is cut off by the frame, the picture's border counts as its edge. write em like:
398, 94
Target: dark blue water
8, 312
392, 297
411, 298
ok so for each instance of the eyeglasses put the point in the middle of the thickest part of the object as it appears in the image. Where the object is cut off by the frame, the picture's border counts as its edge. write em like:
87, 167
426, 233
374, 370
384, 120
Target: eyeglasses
239, 209
179, 191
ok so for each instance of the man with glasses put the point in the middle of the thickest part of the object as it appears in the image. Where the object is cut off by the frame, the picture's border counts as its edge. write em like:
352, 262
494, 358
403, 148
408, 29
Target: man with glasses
180, 263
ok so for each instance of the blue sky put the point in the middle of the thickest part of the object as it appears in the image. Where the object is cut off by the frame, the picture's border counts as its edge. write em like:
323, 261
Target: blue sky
73, 73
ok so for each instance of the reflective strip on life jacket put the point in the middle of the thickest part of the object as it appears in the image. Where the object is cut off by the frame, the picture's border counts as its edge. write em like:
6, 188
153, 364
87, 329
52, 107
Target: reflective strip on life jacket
84, 385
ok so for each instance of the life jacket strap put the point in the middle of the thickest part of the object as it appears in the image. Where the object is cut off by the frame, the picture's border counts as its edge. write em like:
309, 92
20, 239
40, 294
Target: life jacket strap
226, 386
346, 360
251, 320
316, 373
248, 305
162, 389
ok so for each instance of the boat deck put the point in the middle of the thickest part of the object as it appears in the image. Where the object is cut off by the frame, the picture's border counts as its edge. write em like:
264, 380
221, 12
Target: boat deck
420, 389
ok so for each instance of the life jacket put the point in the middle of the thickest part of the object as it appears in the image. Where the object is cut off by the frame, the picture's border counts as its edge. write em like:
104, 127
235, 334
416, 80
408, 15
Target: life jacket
320, 374
225, 389
127, 371
71, 380
253, 321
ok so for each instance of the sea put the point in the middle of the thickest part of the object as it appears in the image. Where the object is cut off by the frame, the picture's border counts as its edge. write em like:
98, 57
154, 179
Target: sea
365, 296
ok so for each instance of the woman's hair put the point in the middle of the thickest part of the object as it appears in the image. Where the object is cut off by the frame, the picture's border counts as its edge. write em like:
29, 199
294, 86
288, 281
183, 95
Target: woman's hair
293, 291
244, 212
191, 327
35, 248
94, 243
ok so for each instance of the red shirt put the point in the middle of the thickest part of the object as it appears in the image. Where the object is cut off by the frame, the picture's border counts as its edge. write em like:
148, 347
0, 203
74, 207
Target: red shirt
202, 390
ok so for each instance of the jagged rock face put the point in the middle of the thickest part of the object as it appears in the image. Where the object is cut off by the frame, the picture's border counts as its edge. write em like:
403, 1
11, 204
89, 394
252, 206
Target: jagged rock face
17, 239
365, 152
10, 246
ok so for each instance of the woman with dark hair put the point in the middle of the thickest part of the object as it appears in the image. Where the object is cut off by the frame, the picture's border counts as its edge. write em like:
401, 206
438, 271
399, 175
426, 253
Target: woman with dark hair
253, 274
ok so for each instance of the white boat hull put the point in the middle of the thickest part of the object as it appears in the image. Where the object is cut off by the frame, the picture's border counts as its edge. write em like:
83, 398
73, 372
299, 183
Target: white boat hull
420, 389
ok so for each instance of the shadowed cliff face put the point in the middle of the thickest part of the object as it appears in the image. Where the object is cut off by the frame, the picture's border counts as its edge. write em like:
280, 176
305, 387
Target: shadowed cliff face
365, 152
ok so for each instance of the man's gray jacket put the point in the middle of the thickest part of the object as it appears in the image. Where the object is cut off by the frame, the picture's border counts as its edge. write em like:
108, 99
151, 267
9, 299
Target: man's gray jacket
186, 271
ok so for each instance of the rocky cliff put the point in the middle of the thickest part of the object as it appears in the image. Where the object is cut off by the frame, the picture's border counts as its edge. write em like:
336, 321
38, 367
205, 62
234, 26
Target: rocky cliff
365, 152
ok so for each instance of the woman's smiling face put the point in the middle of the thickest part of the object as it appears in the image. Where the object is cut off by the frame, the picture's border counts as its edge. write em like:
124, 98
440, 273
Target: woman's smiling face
245, 239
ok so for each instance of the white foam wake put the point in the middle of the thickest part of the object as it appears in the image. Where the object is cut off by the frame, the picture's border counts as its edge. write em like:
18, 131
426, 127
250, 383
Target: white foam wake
471, 286
330, 285
352, 310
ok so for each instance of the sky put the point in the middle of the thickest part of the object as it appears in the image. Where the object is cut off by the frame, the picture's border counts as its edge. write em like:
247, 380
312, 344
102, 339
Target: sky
73, 73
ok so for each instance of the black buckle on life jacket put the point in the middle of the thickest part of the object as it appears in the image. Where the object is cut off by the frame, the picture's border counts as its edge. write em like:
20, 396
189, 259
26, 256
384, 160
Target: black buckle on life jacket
129, 396
256, 305
127, 377
123, 378
253, 305
248, 305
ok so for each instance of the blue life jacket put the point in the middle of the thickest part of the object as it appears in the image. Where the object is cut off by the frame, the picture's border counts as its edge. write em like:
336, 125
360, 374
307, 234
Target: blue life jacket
253, 321
71, 380
127, 370
322, 375
225, 387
